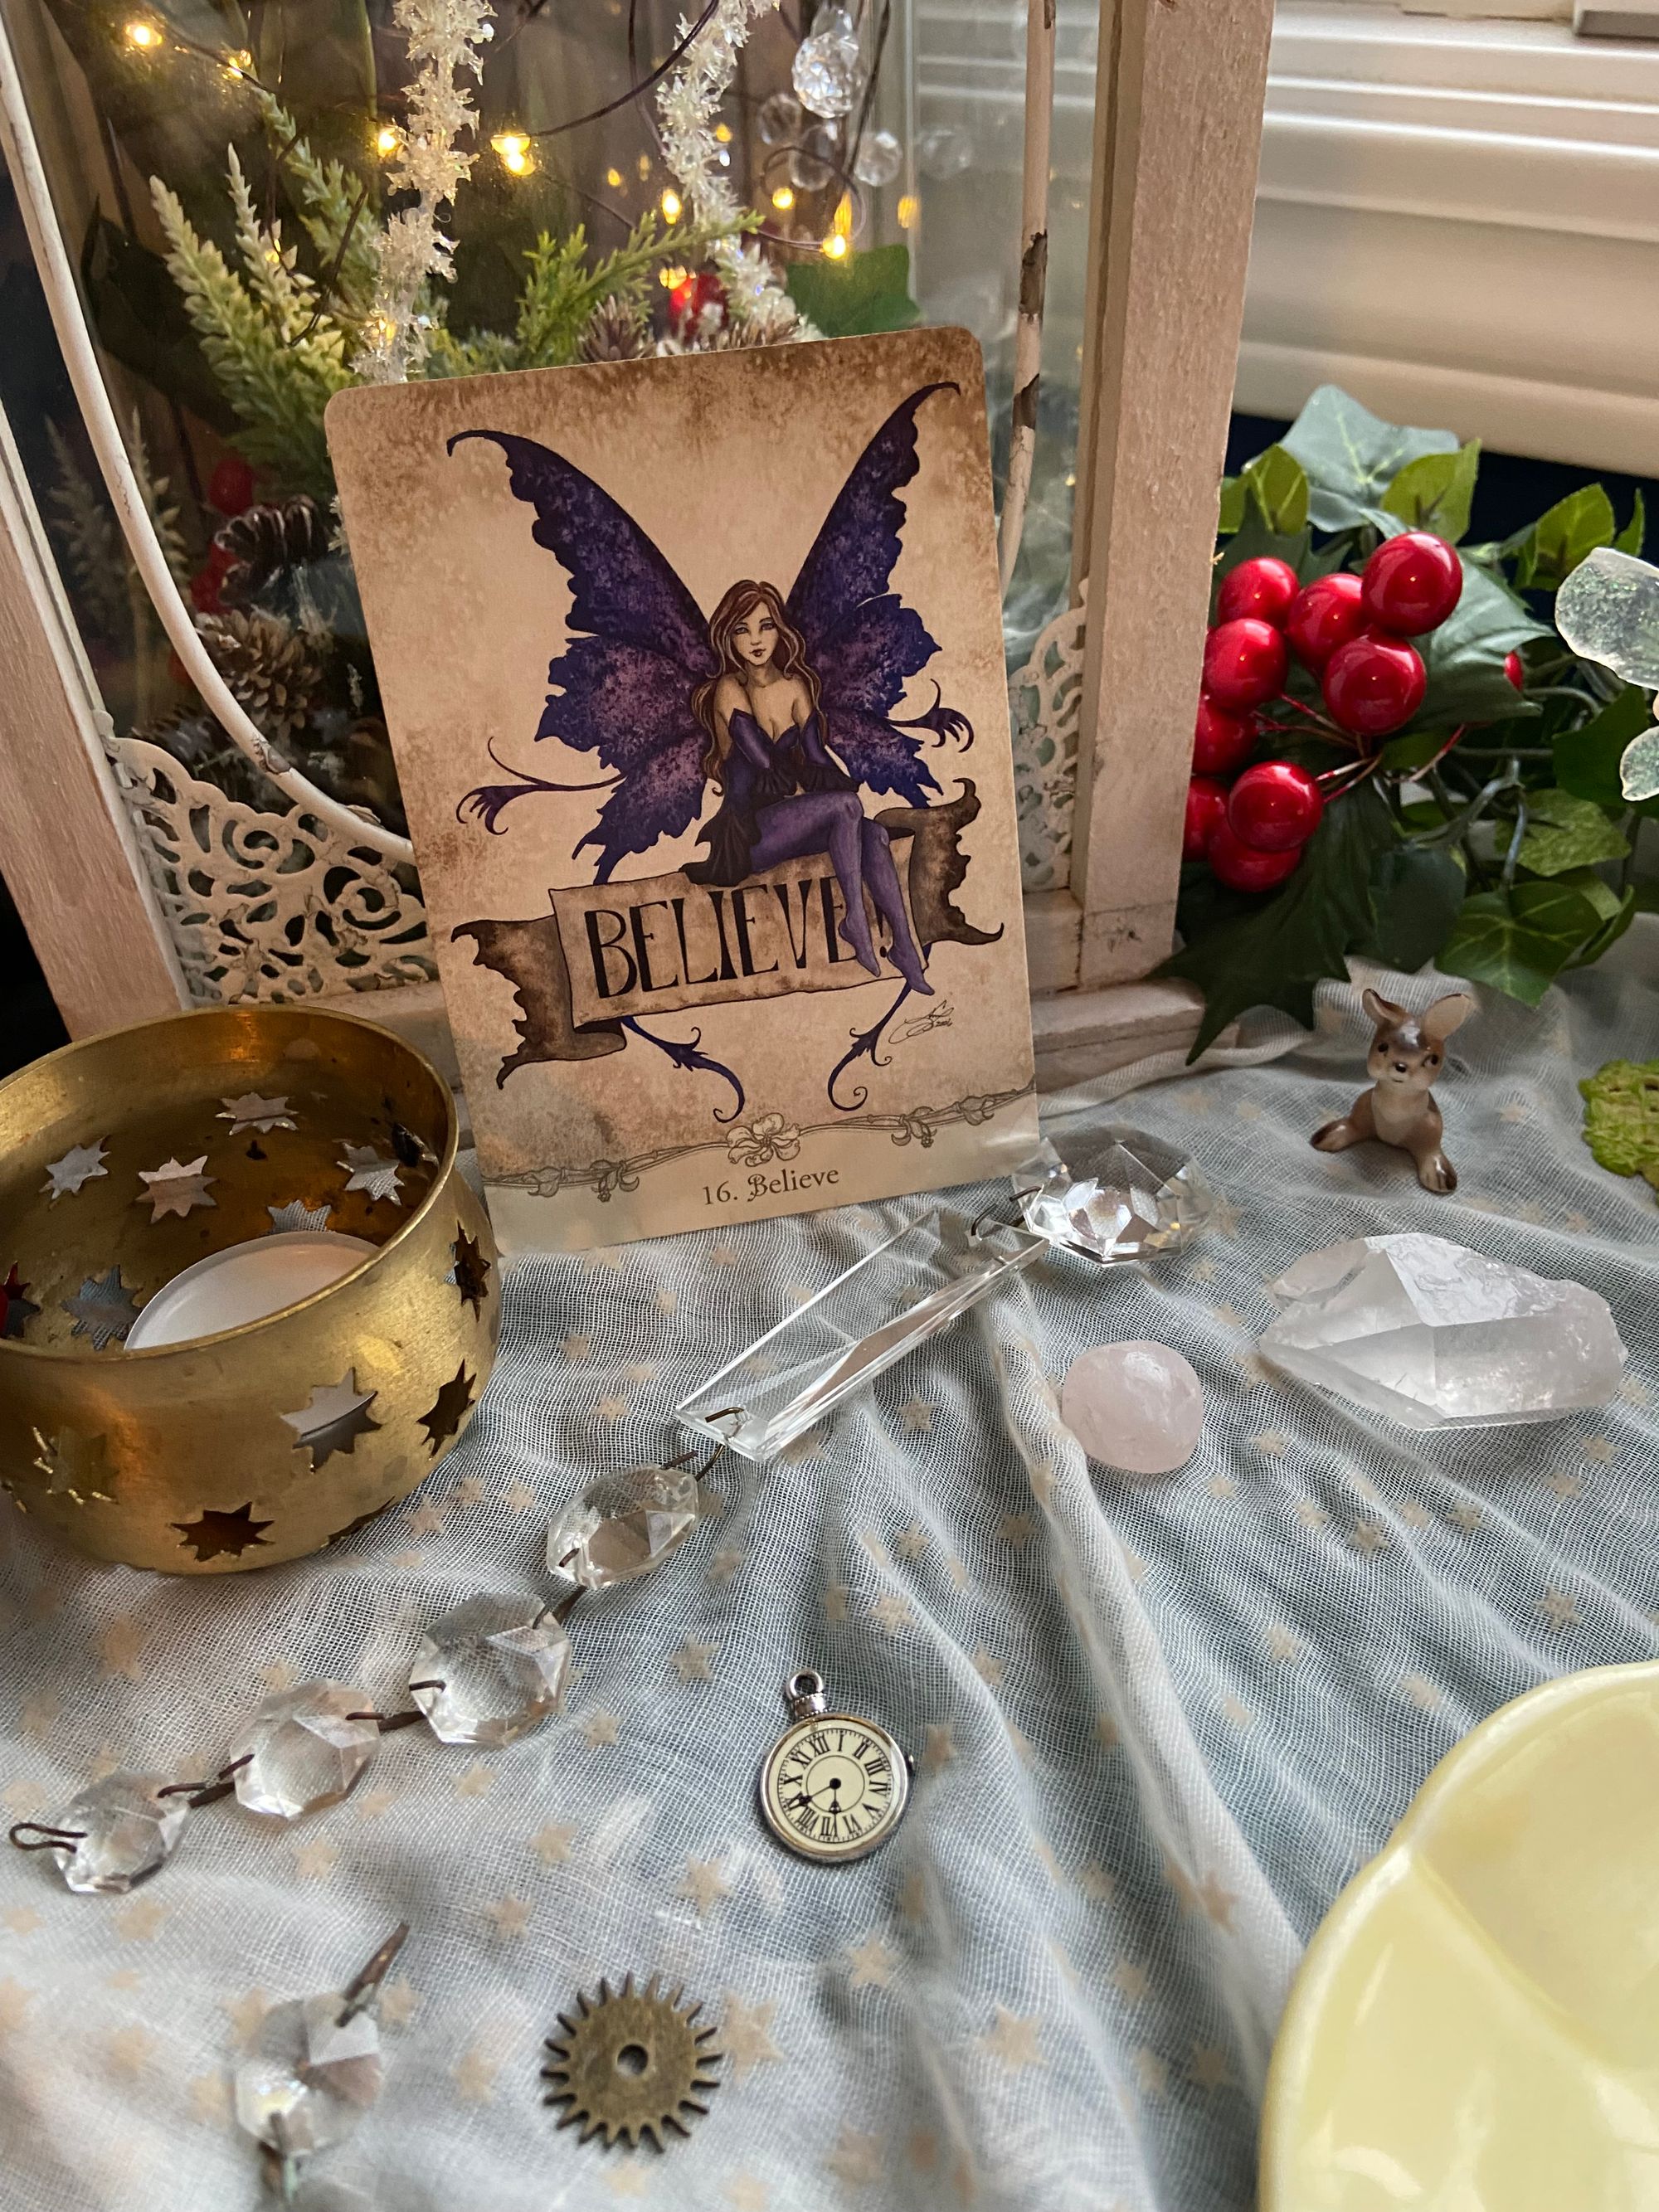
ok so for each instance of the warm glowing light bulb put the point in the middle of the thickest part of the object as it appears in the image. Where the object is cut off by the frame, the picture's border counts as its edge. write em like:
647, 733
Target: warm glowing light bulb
671, 205
614, 179
670, 279
513, 148
909, 208
645, 167
723, 132
835, 246
387, 140
143, 35
783, 199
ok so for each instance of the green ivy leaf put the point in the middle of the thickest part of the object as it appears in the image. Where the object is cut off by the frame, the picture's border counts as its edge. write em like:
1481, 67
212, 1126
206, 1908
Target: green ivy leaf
862, 293
1413, 748
1276, 483
1630, 538
1435, 491
1565, 832
1274, 955
1351, 457
1587, 759
1616, 908
1519, 939
1547, 554
1230, 512
1465, 656
1417, 893
1253, 538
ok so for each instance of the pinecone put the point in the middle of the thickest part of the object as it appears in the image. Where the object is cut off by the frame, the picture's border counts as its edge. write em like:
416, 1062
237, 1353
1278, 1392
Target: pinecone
263, 541
267, 666
617, 329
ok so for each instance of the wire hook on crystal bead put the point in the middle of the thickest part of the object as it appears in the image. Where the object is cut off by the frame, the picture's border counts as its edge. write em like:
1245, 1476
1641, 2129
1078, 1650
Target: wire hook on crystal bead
622, 1525
491, 1670
117, 1833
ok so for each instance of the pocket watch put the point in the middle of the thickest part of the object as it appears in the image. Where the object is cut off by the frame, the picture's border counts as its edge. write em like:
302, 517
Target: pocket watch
833, 1786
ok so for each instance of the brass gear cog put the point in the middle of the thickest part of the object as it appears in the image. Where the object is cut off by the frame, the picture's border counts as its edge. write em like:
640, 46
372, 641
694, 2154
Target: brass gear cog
630, 2063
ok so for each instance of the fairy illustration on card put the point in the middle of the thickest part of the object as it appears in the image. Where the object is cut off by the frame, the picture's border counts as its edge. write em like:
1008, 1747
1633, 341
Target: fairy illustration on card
767, 724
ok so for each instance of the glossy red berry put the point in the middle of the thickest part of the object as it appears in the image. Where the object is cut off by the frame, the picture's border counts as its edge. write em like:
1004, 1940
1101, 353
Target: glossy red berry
1411, 583
1222, 742
1516, 671
230, 487
1324, 614
1375, 684
1206, 804
1275, 806
1263, 587
1244, 867
1244, 663
204, 590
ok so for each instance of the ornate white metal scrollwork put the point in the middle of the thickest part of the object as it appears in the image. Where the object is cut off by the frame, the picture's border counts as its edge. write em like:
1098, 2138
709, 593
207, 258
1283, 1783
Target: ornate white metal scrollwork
1044, 699
268, 905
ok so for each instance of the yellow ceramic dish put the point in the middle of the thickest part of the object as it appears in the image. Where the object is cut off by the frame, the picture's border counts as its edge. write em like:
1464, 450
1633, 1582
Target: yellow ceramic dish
1475, 2027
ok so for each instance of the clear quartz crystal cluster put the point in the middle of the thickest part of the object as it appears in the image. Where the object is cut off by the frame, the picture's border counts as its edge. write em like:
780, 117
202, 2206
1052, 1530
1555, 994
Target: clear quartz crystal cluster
1129, 1197
1435, 1336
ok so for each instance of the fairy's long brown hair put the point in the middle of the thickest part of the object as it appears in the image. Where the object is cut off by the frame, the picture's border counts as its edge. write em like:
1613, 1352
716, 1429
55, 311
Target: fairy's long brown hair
789, 657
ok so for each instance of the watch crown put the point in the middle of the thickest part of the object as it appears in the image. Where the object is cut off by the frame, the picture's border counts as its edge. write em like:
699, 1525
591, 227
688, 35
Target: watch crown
804, 1695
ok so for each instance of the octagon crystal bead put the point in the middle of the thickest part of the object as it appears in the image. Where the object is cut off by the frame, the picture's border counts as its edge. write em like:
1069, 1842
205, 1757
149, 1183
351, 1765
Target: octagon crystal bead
304, 1749
491, 1671
125, 1830
312, 2076
622, 1525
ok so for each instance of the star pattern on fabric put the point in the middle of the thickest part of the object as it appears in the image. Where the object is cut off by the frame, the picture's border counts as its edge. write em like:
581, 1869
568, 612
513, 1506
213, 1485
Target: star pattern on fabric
399, 2002
856, 2159
426, 1519
1216, 1903
209, 2097
15, 2002
917, 1415
746, 2035
745, 2192
475, 2076
176, 1186
705, 1884
627, 2180
367, 1170
988, 1666
612, 1408
1096, 1884
316, 1861
1211, 2069
1369, 1537
1151, 2073
1013, 2040
871, 1964
1600, 1451
1131, 1980
477, 1781
518, 1498
141, 1921
510, 1914
913, 1896
1312, 1516
1271, 1443
332, 1419
1421, 1691
911, 1543
246, 2016
130, 2050
891, 1613
1238, 1711
20, 1920
374, 1804
837, 1598
1221, 1487
1559, 1608
599, 1728
551, 1843
576, 1347
251, 1111
940, 1749
78, 1166
1566, 1481
1466, 1515
695, 1663
1283, 1643
724, 1564
1015, 1528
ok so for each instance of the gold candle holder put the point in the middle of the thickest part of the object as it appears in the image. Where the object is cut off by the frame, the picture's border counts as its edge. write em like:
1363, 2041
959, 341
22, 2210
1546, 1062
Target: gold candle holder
272, 1148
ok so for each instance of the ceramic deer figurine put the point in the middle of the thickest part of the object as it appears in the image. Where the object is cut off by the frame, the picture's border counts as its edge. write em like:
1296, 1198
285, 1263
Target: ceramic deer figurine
1399, 1108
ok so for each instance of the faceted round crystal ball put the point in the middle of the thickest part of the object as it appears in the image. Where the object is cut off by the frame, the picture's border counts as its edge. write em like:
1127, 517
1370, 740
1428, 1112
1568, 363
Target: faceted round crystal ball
826, 73
879, 158
125, 1829
1128, 1196
303, 1749
781, 119
1138, 1407
622, 1525
498, 1670
309, 2080
943, 152
812, 163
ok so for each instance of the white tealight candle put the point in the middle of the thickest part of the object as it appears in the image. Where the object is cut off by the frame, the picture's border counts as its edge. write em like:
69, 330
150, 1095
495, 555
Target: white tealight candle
244, 1283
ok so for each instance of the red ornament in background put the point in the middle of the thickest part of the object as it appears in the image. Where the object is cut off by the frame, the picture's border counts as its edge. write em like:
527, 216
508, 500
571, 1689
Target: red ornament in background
1325, 615
1374, 684
1274, 806
1244, 867
1515, 669
1411, 583
1263, 587
687, 300
1222, 742
230, 487
1245, 663
1206, 806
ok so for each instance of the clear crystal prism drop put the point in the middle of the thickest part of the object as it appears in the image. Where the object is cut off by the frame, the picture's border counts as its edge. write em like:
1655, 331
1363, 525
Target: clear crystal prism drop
499, 1670
812, 163
943, 152
127, 1829
622, 1525
1128, 1197
781, 119
826, 74
310, 2079
879, 158
1436, 1336
304, 1750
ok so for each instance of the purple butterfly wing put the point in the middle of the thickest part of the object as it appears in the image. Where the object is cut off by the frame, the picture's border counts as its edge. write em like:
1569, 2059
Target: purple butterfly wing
862, 641
622, 687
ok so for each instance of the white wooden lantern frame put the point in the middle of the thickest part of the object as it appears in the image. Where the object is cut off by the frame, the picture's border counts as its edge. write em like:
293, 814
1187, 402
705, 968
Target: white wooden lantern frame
1180, 92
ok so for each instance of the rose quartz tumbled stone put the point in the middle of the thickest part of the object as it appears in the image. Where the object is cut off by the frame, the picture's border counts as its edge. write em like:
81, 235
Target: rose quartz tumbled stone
1137, 1407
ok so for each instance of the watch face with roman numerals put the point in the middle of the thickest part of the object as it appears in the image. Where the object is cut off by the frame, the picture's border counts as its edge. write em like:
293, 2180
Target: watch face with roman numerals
833, 1786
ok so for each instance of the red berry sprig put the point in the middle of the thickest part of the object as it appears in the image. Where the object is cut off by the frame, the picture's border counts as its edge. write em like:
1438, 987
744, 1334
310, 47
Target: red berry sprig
1250, 819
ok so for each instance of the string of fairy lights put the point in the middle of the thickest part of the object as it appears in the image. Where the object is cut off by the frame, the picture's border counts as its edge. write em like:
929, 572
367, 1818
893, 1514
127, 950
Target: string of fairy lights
515, 147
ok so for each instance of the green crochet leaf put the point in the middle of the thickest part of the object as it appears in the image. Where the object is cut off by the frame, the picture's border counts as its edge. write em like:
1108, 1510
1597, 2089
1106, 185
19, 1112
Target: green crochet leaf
1621, 1117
